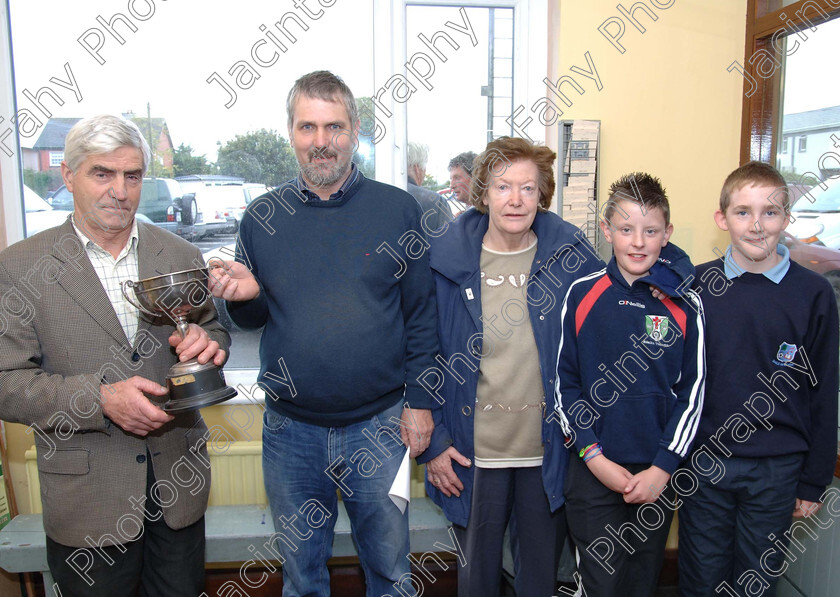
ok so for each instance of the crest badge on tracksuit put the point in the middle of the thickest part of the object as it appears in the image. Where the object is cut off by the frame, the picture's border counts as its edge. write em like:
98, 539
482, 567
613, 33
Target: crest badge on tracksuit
656, 326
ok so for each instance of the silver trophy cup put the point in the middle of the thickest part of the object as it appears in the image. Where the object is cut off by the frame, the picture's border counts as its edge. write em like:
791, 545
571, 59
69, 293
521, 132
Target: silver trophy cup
191, 385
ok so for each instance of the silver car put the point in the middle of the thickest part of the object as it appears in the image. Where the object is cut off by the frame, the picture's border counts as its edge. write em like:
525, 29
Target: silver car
816, 218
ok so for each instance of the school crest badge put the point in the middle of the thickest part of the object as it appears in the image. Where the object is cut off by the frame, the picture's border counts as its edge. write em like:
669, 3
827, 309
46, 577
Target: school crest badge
786, 352
656, 326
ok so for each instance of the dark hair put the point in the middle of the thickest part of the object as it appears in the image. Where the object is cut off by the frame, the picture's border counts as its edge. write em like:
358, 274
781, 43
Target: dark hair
641, 188
754, 173
499, 155
464, 160
322, 85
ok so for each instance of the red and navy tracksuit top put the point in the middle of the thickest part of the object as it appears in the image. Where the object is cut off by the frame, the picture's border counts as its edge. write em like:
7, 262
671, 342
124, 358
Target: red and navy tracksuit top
631, 368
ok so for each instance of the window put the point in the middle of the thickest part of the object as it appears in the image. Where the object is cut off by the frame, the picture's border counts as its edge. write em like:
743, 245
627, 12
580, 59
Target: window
202, 96
484, 94
205, 93
791, 47
56, 157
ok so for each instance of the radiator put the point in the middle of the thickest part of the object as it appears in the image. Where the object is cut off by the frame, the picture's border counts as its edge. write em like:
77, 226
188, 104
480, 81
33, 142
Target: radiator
235, 469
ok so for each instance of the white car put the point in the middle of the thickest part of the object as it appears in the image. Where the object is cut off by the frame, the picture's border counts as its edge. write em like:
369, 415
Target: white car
40, 215
221, 207
818, 221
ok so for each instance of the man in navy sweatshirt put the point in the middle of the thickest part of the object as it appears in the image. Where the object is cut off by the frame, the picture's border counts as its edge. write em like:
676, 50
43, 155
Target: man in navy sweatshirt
334, 267
766, 445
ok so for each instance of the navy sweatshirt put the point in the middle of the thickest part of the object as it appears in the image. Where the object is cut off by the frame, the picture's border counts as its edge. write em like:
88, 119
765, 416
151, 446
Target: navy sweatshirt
771, 386
630, 368
346, 300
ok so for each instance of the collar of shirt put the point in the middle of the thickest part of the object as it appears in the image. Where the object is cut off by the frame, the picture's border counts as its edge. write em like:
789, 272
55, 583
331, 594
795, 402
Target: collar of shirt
349, 182
774, 274
88, 244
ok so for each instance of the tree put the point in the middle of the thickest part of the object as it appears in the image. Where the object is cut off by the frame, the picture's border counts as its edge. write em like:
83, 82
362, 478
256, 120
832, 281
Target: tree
42, 182
365, 155
430, 182
258, 156
184, 162
160, 169
366, 166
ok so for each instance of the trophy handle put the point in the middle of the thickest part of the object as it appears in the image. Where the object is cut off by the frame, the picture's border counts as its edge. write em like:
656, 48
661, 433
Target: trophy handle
129, 284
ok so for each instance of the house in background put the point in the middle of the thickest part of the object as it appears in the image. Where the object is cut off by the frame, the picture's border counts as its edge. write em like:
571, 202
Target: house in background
47, 152
806, 136
157, 134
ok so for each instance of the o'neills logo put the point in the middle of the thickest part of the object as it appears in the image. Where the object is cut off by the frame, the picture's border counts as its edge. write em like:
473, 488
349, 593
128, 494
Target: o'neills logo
624, 303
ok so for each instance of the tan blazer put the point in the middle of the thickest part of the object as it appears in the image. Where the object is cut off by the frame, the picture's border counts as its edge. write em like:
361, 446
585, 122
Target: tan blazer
59, 339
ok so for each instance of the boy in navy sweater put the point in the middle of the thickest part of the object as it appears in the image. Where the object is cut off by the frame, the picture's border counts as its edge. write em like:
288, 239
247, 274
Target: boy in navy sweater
766, 445
630, 378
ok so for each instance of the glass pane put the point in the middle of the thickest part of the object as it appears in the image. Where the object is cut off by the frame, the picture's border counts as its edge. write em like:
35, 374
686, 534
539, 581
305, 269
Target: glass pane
810, 107
807, 151
211, 79
472, 89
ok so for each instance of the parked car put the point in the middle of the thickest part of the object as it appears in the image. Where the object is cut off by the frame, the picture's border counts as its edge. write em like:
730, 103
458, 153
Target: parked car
40, 215
818, 221
192, 182
221, 207
162, 202
817, 258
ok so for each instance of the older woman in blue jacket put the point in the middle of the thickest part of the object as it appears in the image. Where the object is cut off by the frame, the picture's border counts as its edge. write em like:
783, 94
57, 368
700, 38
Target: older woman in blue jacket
501, 272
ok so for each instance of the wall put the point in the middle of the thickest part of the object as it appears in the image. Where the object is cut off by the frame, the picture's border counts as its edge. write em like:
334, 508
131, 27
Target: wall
667, 104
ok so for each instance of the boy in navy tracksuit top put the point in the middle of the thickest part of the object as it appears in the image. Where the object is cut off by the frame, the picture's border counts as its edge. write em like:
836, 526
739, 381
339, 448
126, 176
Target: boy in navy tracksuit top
766, 446
630, 376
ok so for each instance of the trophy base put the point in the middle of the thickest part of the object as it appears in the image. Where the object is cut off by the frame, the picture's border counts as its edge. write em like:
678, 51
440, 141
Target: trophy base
197, 402
193, 386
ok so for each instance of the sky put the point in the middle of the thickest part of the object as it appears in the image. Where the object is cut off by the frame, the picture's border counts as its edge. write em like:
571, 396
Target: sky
167, 61
179, 44
811, 80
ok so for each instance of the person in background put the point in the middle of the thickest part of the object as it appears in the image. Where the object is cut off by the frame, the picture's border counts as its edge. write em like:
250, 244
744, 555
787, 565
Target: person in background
460, 175
501, 271
436, 212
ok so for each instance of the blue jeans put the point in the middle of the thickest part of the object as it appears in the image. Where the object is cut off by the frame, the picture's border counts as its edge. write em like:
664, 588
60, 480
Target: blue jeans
303, 465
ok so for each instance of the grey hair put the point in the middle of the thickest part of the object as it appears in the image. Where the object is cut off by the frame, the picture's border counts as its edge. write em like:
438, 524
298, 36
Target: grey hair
102, 134
322, 85
418, 155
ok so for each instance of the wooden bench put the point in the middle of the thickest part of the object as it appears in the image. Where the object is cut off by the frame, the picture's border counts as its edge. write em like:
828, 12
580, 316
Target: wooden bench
230, 530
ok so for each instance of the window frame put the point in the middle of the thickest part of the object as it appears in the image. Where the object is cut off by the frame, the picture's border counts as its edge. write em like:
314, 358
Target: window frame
530, 63
761, 110
11, 171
